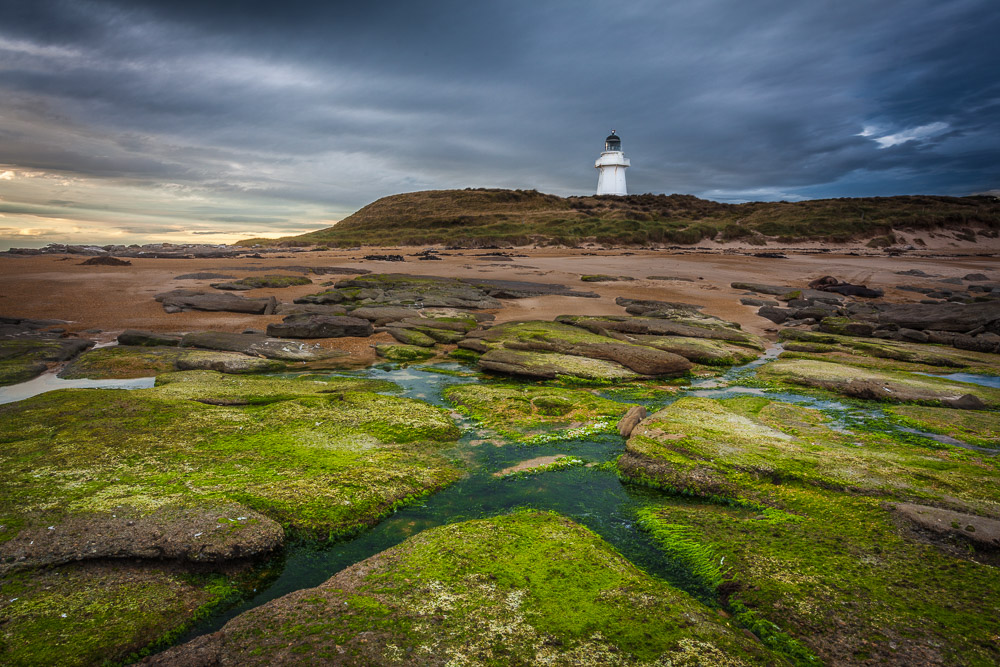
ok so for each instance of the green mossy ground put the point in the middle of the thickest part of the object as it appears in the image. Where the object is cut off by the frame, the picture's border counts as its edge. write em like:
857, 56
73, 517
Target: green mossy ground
520, 411
324, 456
795, 524
527, 588
975, 427
274, 281
320, 456
99, 613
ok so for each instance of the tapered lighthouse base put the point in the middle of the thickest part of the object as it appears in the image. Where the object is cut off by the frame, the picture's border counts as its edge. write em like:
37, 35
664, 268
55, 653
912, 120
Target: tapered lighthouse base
612, 166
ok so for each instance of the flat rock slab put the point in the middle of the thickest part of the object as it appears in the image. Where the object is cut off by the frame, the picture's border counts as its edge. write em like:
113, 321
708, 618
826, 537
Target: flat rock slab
148, 338
942, 317
310, 325
181, 300
651, 326
977, 529
550, 365
519, 289
207, 535
259, 344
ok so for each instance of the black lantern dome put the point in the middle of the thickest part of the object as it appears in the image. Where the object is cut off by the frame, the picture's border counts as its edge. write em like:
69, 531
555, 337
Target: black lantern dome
613, 142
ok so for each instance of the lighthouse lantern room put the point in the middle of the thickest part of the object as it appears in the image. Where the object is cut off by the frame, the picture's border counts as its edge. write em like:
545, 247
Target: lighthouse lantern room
612, 164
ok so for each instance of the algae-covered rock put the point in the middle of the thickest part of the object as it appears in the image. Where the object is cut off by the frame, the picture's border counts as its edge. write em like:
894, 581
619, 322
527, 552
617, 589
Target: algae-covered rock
411, 337
319, 454
96, 613
560, 340
25, 358
702, 350
550, 365
528, 588
880, 385
398, 289
148, 338
874, 353
402, 353
519, 410
125, 361
652, 326
795, 532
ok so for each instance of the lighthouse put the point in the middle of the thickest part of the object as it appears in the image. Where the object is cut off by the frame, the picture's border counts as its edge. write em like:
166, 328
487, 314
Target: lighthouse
612, 164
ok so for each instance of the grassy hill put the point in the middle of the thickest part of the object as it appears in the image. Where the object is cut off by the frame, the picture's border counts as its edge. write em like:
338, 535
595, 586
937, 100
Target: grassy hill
478, 217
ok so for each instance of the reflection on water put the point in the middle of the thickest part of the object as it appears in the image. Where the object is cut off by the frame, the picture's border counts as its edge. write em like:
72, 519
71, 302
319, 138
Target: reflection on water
970, 378
50, 382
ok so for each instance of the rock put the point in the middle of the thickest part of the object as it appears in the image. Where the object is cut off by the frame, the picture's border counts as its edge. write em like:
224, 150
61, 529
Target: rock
548, 366
402, 353
206, 535
694, 328
205, 275
272, 281
22, 359
666, 309
775, 314
914, 272
601, 278
981, 531
750, 301
308, 325
846, 327
181, 300
286, 309
964, 402
411, 336
382, 315
631, 419
912, 335
503, 566
256, 344
941, 317
106, 260
148, 338
519, 289
975, 277
226, 362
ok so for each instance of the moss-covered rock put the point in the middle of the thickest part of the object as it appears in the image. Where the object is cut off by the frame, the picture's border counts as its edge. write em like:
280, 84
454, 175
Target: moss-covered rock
880, 385
551, 366
796, 538
99, 613
403, 353
126, 361
702, 350
885, 354
22, 359
505, 341
322, 456
519, 411
528, 588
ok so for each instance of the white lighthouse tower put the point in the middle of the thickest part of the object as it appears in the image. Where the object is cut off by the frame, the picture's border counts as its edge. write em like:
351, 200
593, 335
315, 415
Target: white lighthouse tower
612, 164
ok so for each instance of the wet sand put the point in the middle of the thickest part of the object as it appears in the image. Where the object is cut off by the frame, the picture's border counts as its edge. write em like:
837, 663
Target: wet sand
117, 298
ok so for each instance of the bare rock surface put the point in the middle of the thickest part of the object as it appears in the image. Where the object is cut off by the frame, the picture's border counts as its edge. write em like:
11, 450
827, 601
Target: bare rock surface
210, 535
311, 325
259, 344
977, 529
181, 300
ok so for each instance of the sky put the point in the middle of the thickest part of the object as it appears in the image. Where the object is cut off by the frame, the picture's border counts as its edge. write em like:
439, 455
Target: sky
138, 121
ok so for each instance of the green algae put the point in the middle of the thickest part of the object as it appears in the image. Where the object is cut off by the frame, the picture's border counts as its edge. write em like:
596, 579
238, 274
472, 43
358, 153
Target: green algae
525, 588
976, 427
273, 280
94, 613
520, 412
706, 351
403, 353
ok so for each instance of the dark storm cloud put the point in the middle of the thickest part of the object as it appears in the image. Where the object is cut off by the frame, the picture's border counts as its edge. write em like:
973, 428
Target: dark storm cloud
327, 105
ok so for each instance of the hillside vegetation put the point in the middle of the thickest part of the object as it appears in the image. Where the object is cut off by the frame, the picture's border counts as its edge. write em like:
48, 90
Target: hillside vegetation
480, 217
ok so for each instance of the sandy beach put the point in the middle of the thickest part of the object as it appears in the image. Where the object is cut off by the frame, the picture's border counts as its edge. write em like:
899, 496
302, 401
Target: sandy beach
113, 299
